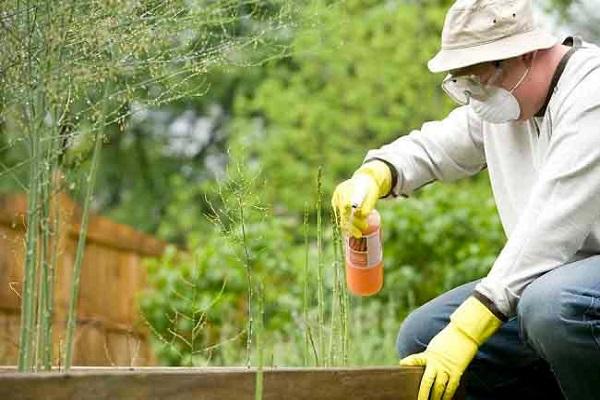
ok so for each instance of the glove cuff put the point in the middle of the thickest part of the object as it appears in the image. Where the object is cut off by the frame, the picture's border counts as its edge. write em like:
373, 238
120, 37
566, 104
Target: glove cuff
475, 320
380, 173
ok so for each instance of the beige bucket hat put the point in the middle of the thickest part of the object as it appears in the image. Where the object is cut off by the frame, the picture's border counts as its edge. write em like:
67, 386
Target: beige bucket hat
476, 31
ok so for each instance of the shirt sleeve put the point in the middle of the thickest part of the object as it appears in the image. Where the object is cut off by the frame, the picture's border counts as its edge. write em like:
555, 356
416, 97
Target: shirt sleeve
562, 208
441, 150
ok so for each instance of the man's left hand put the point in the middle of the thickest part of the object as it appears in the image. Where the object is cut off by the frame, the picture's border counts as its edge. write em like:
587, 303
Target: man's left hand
449, 353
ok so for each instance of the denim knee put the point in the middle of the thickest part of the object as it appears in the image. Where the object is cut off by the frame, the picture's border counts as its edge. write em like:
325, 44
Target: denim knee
552, 316
539, 319
414, 333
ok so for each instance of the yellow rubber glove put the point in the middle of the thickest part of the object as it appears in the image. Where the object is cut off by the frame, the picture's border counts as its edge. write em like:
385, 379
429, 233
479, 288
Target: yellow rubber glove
370, 182
450, 351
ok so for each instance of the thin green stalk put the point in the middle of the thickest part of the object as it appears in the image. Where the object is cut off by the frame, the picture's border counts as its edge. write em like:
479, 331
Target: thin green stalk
335, 331
247, 262
27, 295
347, 314
258, 391
42, 274
332, 322
342, 292
44, 65
305, 299
320, 283
51, 258
29, 278
49, 243
71, 321
43, 319
313, 346
49, 312
196, 324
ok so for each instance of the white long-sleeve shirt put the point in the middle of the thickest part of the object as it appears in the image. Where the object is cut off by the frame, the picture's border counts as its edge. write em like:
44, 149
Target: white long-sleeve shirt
544, 172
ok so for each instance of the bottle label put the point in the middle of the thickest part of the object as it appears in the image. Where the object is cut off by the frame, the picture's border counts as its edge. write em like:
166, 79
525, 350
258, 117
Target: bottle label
364, 252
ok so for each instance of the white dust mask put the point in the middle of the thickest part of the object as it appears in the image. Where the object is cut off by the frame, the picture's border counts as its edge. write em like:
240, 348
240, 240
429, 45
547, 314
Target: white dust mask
500, 105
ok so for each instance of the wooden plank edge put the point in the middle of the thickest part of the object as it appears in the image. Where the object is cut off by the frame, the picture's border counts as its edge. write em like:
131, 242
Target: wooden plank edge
226, 383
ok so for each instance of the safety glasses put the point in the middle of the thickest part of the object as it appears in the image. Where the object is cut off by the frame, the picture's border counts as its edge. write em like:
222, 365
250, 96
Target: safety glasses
461, 88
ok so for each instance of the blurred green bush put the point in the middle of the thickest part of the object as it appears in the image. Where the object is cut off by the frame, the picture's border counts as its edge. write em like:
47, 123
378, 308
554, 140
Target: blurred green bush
355, 78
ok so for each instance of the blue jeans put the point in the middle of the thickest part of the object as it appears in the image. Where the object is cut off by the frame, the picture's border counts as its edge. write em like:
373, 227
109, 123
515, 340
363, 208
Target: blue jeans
550, 350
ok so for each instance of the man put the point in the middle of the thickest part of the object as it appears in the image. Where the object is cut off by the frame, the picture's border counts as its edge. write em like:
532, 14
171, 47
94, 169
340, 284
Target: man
529, 113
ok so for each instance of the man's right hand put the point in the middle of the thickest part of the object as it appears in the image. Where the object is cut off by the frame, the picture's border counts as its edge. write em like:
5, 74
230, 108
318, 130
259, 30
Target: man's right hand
370, 182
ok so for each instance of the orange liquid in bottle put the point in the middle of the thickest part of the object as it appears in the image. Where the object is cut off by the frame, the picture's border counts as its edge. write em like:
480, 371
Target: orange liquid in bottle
364, 259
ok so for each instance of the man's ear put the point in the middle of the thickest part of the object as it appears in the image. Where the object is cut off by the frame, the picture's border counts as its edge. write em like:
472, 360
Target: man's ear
528, 58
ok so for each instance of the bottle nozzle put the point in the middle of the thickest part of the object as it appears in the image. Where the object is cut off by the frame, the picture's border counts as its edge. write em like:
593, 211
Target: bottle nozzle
359, 194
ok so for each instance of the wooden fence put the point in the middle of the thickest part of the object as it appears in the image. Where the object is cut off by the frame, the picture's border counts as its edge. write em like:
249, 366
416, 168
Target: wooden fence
110, 330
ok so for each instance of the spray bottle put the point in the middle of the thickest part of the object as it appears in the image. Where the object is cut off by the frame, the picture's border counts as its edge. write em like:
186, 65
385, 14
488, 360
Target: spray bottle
364, 255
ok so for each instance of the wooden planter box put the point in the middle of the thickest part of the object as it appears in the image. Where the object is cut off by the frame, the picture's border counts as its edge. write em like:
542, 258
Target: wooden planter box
384, 383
